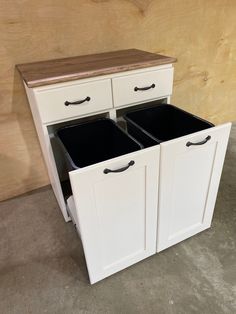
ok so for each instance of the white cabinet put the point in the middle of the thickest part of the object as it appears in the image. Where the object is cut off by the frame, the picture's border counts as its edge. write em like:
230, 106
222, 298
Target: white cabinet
189, 180
124, 217
117, 212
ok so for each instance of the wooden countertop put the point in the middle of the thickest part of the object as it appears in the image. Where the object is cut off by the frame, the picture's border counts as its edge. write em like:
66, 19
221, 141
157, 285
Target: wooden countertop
68, 69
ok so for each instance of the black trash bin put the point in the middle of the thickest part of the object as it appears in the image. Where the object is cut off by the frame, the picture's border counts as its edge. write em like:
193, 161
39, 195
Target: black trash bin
94, 141
154, 125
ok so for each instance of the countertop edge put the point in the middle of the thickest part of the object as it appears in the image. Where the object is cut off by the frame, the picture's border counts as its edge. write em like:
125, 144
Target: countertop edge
94, 73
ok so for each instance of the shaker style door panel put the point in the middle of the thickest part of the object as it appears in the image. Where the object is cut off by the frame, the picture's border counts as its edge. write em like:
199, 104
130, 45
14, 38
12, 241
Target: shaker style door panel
189, 180
117, 211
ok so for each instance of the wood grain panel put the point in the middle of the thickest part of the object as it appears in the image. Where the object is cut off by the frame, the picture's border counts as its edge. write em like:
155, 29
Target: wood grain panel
67, 69
201, 34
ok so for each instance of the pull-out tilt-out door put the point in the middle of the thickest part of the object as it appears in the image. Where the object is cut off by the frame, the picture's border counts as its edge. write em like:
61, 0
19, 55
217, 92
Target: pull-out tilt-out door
189, 180
117, 211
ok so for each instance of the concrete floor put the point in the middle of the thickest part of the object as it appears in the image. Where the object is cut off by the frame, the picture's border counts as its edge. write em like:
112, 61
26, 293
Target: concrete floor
42, 267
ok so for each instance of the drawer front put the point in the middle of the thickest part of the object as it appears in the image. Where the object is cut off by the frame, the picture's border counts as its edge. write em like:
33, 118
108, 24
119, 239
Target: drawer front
117, 211
92, 97
141, 87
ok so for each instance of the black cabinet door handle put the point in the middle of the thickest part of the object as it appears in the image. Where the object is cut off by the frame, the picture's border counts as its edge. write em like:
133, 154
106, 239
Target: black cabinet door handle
144, 88
199, 143
78, 102
131, 163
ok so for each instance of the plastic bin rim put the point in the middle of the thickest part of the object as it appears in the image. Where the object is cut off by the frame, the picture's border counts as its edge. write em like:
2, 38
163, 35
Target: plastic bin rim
98, 119
160, 105
168, 105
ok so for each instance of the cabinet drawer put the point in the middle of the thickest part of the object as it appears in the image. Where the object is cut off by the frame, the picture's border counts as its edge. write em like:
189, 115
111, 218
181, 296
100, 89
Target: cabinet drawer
117, 211
91, 97
141, 87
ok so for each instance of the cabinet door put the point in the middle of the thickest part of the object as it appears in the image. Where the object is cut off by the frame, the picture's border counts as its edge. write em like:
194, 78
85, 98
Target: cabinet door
117, 212
189, 180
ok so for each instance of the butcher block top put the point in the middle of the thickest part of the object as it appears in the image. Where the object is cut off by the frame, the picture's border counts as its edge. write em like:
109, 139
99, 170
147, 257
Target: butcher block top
68, 69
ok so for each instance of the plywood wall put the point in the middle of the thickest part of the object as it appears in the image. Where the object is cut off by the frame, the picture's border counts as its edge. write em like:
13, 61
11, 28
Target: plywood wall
201, 34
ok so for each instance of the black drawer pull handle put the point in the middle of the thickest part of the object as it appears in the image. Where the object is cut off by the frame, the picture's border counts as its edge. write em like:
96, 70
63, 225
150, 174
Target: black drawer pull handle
78, 102
144, 88
199, 143
131, 163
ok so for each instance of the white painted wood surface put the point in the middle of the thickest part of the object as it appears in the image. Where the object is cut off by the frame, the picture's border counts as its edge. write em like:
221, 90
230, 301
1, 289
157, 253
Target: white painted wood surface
73, 212
46, 147
117, 212
123, 87
52, 100
189, 180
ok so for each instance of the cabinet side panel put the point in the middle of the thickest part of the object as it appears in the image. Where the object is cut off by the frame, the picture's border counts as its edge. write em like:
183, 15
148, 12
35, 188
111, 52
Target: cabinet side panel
47, 152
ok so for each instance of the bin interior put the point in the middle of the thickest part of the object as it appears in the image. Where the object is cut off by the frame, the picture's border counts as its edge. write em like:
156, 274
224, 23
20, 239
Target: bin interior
166, 122
95, 141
